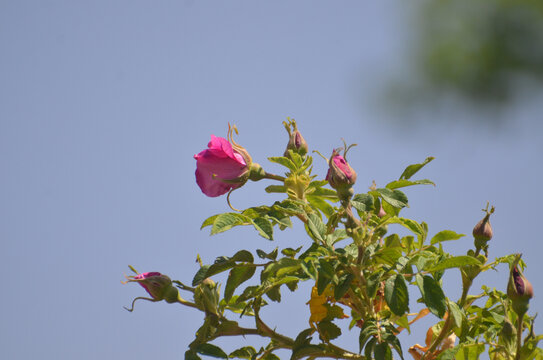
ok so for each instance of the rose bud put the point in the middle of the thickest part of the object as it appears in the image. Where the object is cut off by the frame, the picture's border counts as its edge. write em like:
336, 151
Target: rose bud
157, 285
206, 298
296, 141
340, 175
382, 212
482, 232
224, 166
519, 290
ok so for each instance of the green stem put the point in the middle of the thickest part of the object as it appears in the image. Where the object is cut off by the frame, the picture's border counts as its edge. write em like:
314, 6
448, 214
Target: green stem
439, 339
464, 296
519, 335
267, 175
186, 303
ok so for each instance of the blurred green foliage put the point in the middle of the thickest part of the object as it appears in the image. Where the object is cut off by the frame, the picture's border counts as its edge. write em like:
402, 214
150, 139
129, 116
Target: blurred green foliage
481, 50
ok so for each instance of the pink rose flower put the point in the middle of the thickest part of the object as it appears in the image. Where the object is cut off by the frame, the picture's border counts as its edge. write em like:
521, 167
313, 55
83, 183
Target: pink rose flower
221, 168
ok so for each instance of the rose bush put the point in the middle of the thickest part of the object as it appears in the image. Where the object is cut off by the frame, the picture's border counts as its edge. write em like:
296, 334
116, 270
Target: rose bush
357, 269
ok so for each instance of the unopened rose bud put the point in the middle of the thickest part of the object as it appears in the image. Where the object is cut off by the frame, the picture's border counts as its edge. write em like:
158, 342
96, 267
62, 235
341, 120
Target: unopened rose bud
382, 212
296, 141
158, 286
519, 290
206, 297
341, 175
482, 232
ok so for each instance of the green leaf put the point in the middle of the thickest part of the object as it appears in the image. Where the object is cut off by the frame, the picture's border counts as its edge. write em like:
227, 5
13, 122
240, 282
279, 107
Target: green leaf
382, 352
222, 263
393, 341
191, 355
530, 350
432, 295
389, 255
200, 275
211, 350
413, 169
236, 277
276, 189
322, 282
403, 183
393, 241
395, 198
264, 227
412, 225
316, 226
290, 252
456, 313
449, 354
369, 348
337, 235
246, 352
403, 321
291, 207
373, 282
320, 204
445, 235
396, 294
248, 293
270, 356
343, 286
226, 221
334, 312
327, 268
236, 306
281, 160
243, 256
328, 330
362, 202
279, 268
263, 255
368, 330
455, 262
296, 158
322, 192
274, 293
469, 351
209, 221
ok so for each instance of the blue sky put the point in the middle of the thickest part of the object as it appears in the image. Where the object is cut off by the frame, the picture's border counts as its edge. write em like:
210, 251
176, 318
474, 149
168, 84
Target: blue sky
103, 105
